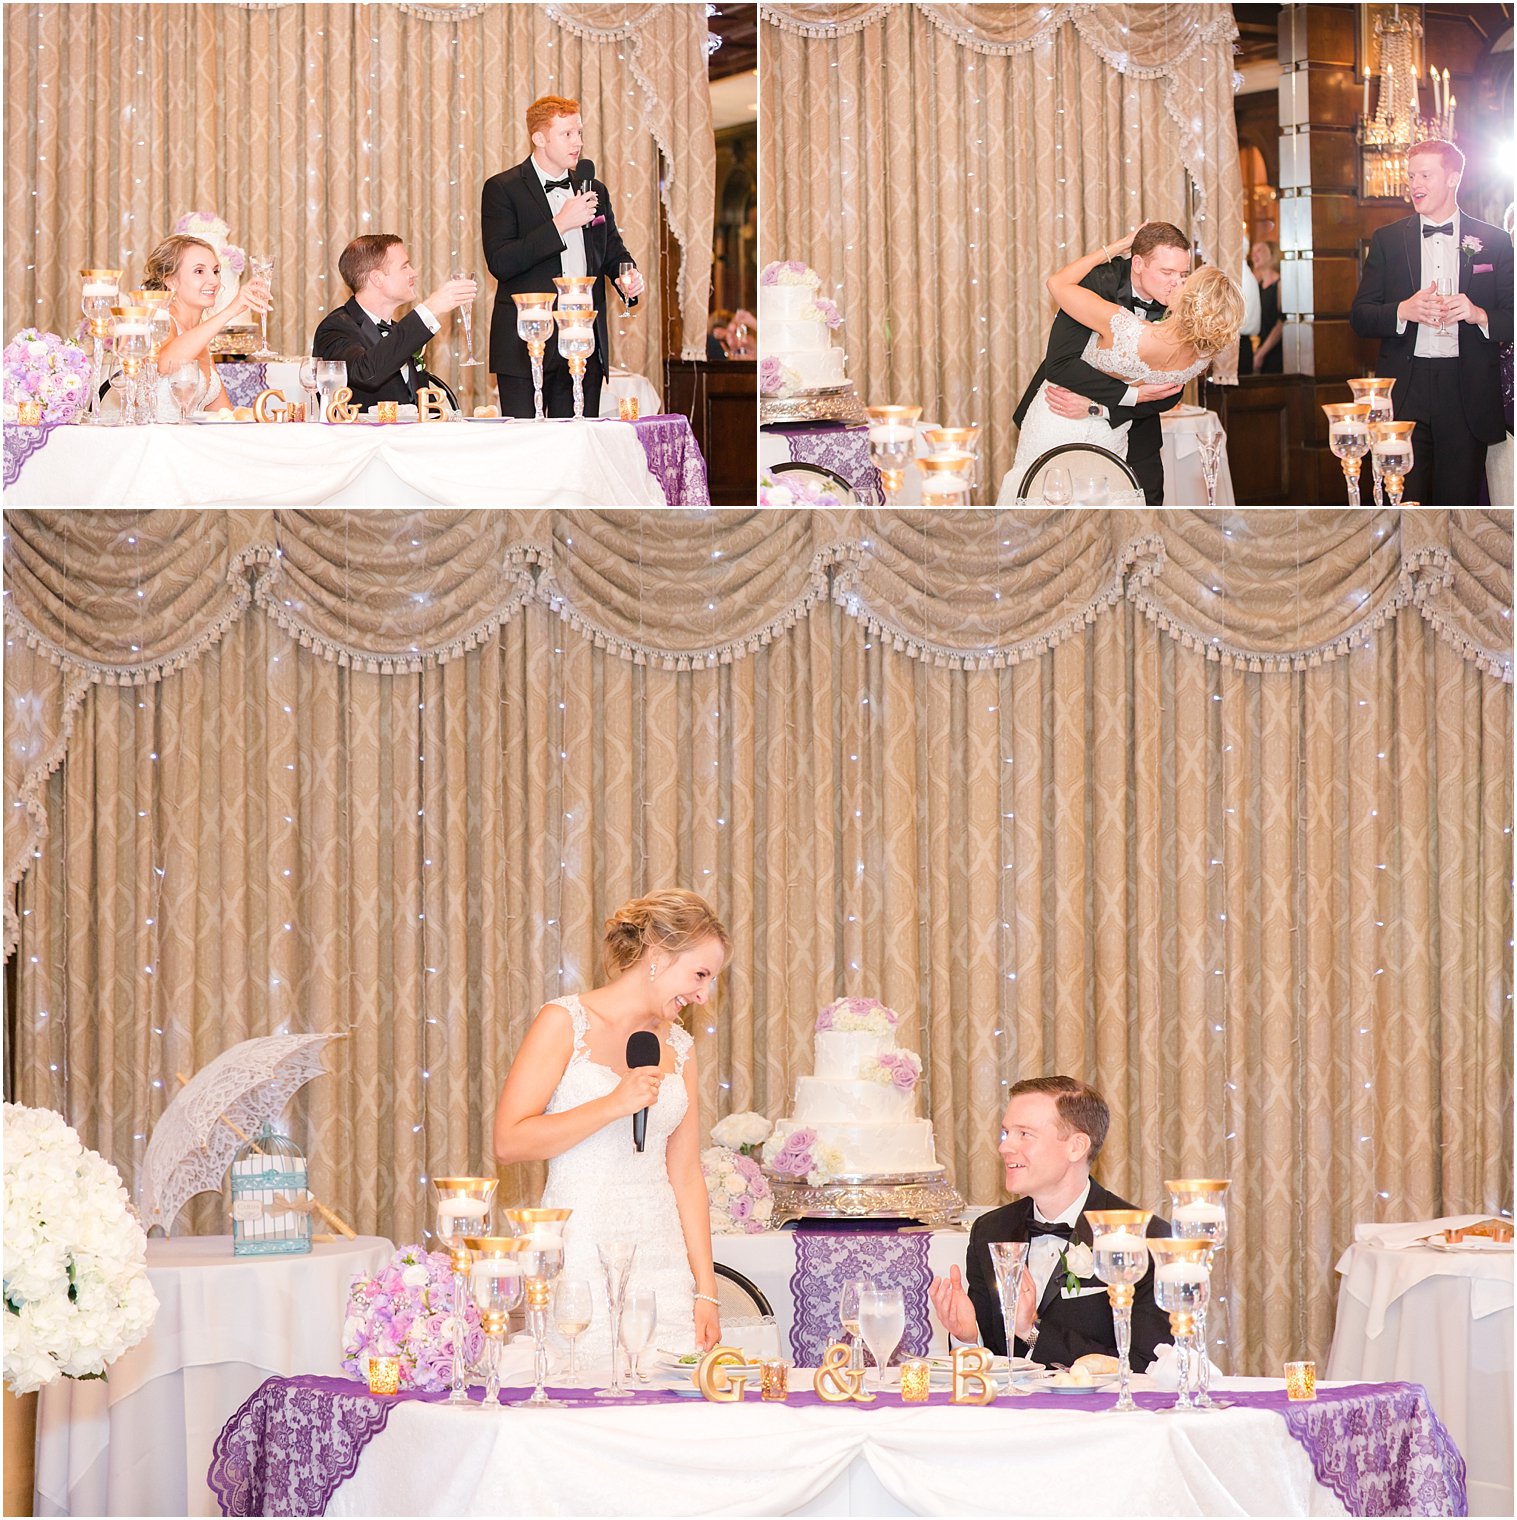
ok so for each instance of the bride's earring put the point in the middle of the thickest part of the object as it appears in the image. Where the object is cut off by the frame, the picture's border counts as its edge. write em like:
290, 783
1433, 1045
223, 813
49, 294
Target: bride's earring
652, 970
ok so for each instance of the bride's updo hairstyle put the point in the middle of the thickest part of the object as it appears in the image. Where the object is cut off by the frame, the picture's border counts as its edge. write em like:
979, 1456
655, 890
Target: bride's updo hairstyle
1208, 310
165, 259
664, 922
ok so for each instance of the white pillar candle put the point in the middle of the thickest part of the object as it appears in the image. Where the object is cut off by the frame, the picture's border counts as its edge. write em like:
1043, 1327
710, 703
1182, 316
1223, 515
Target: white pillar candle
131, 329
1390, 446
889, 432
1120, 1240
1187, 1272
1202, 1212
494, 1266
100, 288
454, 1209
547, 1238
944, 485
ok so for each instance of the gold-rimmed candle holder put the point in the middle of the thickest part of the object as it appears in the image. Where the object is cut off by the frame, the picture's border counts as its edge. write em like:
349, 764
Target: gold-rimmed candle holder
497, 1280
575, 290
1119, 1249
1391, 449
892, 442
100, 292
534, 326
1181, 1287
131, 334
162, 329
916, 1377
542, 1262
1198, 1211
947, 440
463, 1207
946, 477
1348, 437
29, 413
576, 342
1375, 392
1300, 1382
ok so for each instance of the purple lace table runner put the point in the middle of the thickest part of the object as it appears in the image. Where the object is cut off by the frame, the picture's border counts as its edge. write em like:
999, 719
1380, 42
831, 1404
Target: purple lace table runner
20, 443
842, 448
674, 459
826, 1259
243, 379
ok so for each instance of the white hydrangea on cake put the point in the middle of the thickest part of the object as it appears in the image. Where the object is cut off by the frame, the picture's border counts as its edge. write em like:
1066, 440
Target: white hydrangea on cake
796, 324
76, 1287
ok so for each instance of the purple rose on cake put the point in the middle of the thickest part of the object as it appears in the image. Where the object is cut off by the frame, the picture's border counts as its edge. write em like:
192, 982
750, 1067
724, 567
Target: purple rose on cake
857, 1015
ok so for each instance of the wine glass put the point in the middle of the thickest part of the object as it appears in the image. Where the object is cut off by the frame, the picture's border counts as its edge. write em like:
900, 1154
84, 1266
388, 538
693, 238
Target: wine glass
1209, 444
1445, 288
882, 1320
186, 386
1056, 486
616, 1258
623, 273
262, 267
639, 1318
848, 1316
466, 311
331, 376
308, 386
571, 1317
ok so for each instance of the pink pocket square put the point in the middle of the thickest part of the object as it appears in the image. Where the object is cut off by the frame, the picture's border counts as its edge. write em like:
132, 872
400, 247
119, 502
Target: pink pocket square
1485, 269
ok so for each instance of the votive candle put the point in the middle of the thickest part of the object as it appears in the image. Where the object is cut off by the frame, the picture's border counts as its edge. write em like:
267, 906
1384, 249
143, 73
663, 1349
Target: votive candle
29, 413
915, 1374
1300, 1381
384, 1374
774, 1381
389, 411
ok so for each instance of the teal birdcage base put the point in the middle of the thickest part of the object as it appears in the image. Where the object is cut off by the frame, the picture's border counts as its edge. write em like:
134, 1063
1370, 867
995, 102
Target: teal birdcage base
296, 1245
269, 1185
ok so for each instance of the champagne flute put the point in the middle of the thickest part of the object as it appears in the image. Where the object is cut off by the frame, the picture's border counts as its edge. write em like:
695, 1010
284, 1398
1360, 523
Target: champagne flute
882, 1319
571, 1317
1445, 288
616, 1258
262, 266
623, 272
639, 1319
1008, 1260
185, 386
466, 311
1056, 486
848, 1315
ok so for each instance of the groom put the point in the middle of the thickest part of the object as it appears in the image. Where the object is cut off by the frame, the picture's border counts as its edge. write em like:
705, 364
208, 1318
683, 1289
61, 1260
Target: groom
1145, 283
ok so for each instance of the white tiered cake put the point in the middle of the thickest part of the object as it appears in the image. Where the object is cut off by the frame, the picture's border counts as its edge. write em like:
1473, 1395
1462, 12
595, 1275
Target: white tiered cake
795, 330
856, 1115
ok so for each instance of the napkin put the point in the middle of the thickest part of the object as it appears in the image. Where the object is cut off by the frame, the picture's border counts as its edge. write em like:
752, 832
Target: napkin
1397, 1237
1165, 1369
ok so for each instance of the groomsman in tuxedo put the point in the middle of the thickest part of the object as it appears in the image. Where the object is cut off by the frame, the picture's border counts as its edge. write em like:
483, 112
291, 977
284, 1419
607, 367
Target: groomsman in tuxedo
550, 216
1145, 283
381, 351
1448, 382
1051, 1133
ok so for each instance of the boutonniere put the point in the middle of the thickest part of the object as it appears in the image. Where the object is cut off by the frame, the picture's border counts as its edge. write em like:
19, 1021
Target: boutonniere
419, 358
1470, 245
1076, 1262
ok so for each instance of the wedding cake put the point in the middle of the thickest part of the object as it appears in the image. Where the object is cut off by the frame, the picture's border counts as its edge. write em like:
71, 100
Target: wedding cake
796, 325
856, 1115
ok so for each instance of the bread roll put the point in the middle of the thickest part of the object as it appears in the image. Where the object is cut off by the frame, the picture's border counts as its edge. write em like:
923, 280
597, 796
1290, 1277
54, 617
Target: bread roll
487, 411
1094, 1364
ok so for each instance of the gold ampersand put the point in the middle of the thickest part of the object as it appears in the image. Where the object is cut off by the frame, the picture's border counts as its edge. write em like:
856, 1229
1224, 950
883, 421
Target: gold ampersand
971, 1376
835, 1383
714, 1376
339, 408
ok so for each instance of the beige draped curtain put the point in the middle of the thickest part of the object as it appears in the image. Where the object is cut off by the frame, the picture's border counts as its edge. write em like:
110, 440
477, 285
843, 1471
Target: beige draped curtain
1213, 810
305, 125
935, 163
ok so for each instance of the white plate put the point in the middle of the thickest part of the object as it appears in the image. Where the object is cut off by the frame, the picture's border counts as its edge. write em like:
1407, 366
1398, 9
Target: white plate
489, 419
206, 419
1101, 1385
1019, 1364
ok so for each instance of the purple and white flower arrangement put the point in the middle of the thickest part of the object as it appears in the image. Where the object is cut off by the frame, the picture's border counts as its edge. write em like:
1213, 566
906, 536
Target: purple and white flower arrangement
41, 366
799, 1154
777, 378
406, 1310
795, 493
790, 272
900, 1069
741, 1202
857, 1015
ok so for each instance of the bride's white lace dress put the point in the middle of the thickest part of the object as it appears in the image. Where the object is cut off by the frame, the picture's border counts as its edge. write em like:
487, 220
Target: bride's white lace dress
618, 1194
1043, 429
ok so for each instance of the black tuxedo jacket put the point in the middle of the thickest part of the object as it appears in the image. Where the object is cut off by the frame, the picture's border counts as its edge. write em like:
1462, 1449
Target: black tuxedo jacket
523, 250
374, 363
1393, 271
1063, 365
1068, 1328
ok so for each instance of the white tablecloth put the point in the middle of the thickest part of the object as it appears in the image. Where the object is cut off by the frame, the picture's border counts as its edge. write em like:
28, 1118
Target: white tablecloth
769, 1261
1444, 1320
695, 1458
1184, 484
457, 464
139, 1443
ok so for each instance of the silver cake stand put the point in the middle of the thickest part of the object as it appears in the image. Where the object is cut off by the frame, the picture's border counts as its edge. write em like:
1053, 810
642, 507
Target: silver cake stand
927, 1196
830, 403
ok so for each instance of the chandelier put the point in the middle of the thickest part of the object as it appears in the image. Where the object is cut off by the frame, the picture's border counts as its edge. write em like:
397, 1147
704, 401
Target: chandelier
1408, 107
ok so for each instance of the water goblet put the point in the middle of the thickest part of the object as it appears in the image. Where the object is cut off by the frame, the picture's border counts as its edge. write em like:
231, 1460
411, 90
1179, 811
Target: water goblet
331, 377
186, 386
262, 267
466, 312
1008, 1260
882, 1321
1119, 1249
497, 1283
1181, 1288
848, 1317
571, 1317
1198, 1211
1056, 487
463, 1209
308, 388
616, 1258
639, 1320
1209, 444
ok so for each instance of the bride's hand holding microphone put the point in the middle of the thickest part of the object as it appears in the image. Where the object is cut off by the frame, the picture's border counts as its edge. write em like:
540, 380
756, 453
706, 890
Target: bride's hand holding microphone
637, 1090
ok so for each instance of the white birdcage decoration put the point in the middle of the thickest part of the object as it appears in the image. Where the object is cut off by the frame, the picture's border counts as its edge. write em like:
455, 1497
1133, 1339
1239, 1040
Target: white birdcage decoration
271, 1204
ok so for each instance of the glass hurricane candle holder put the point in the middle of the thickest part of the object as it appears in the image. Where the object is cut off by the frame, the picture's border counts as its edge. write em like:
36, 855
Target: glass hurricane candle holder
1119, 1249
956, 440
463, 1209
534, 326
1181, 1288
1391, 449
575, 290
1300, 1382
131, 335
892, 442
1348, 436
916, 1375
1375, 392
1198, 1211
542, 1262
101, 291
576, 342
497, 1283
946, 477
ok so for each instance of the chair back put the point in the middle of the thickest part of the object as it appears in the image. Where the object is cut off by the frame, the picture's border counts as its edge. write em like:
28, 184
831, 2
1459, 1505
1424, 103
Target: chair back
1096, 475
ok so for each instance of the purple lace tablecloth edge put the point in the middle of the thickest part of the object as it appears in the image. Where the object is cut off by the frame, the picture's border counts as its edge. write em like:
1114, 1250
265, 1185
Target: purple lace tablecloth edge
842, 448
20, 443
826, 1259
674, 459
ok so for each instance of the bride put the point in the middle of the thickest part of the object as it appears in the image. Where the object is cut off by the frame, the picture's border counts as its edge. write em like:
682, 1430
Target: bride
569, 1097
1205, 314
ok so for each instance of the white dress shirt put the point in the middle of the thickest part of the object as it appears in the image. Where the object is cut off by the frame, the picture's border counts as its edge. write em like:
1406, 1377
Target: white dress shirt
421, 311
573, 260
1440, 260
1044, 1252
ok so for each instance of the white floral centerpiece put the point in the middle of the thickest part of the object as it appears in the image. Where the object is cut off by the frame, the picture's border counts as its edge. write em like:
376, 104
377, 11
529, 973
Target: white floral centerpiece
744, 1132
77, 1293
741, 1202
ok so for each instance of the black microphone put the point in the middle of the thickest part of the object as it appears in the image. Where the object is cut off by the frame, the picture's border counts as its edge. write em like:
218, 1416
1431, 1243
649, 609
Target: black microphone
582, 174
642, 1050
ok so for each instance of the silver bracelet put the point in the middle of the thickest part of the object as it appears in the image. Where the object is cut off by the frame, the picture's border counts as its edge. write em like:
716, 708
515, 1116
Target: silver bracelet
706, 1298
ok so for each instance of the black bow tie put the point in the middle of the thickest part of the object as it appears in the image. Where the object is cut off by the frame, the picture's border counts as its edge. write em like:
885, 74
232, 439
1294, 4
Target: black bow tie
384, 328
1065, 1232
557, 184
1150, 307
1446, 230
